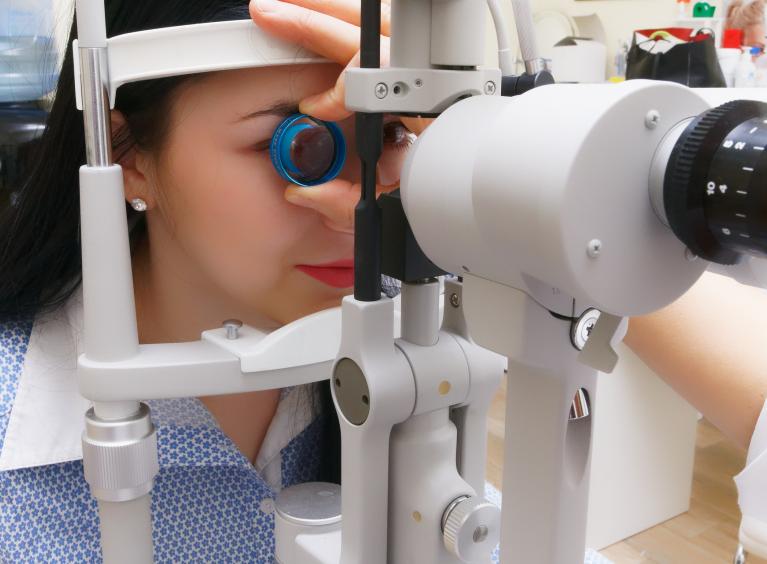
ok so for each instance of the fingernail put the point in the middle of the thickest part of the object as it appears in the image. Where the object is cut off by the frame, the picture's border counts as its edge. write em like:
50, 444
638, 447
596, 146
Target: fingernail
386, 176
266, 5
298, 196
308, 105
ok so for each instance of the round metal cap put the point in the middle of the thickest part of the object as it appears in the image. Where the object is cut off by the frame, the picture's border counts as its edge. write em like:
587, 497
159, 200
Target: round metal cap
472, 529
312, 504
128, 430
581, 329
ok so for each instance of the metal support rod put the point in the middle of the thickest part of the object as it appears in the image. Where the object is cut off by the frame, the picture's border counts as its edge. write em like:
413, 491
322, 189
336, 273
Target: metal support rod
95, 95
91, 23
109, 312
420, 312
367, 215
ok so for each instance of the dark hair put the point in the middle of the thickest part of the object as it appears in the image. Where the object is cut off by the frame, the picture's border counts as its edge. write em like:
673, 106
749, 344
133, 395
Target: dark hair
40, 260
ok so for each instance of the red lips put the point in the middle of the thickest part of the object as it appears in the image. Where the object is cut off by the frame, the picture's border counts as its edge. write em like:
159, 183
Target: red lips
339, 274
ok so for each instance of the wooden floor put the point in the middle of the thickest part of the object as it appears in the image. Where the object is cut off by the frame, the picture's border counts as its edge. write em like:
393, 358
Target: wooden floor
707, 534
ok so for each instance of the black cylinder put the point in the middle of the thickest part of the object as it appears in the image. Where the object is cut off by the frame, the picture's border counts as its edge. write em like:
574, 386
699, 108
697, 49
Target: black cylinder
715, 188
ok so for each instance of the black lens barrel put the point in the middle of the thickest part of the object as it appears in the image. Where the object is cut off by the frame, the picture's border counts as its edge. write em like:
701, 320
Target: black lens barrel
715, 188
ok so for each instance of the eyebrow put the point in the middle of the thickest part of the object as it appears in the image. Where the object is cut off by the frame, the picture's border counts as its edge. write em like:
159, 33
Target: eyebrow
278, 109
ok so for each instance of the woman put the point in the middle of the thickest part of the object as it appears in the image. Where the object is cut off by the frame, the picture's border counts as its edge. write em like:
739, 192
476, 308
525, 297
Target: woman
215, 234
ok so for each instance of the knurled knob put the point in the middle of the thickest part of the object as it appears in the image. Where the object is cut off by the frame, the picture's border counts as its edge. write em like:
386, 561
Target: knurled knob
471, 528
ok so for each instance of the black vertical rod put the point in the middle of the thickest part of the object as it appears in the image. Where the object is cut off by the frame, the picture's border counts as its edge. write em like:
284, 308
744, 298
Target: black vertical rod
369, 128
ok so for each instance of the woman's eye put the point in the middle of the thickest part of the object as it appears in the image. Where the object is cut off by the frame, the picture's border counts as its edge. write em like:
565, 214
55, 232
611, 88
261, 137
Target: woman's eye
263, 145
397, 136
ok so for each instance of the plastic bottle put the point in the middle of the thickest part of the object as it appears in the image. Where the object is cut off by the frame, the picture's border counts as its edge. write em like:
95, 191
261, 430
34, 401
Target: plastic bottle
745, 72
620, 58
761, 70
28, 54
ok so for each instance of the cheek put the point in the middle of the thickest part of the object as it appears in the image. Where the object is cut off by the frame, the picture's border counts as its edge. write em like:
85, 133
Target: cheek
229, 214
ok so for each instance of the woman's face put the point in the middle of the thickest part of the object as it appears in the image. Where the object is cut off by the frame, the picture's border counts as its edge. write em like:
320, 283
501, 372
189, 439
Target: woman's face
220, 215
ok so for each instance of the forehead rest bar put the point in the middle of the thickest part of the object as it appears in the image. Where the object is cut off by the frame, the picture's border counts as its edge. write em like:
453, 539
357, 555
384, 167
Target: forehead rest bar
192, 49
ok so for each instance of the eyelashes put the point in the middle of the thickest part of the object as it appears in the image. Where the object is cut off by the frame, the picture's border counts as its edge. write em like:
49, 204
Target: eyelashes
397, 137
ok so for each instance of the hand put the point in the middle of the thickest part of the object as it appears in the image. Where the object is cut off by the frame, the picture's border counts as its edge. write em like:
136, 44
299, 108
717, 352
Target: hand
329, 28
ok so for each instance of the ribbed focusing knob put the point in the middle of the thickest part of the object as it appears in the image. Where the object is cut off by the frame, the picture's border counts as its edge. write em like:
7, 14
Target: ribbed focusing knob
471, 528
715, 188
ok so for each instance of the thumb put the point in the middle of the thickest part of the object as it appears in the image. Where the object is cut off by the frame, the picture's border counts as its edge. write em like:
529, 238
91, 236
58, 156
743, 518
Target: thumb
335, 201
330, 104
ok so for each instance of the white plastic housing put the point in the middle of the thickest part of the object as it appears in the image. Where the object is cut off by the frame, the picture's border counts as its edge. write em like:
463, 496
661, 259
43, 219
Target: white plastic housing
189, 49
458, 32
423, 483
109, 309
529, 182
91, 26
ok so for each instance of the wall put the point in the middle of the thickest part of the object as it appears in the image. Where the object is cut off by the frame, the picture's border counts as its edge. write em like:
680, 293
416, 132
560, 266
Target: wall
618, 18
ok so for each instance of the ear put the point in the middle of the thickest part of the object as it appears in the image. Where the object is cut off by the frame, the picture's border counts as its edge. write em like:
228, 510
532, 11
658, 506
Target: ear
134, 162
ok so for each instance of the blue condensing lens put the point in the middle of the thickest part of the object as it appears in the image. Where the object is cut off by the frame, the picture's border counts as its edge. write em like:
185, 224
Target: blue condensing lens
307, 151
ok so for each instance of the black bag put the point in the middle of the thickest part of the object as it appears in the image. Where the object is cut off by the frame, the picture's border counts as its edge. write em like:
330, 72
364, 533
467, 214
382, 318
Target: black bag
693, 63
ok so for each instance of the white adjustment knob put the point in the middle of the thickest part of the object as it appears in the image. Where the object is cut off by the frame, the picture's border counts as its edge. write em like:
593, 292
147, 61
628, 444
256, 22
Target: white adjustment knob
471, 528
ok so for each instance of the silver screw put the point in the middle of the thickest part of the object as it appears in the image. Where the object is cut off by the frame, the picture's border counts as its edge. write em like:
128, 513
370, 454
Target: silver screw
381, 90
418, 82
232, 327
594, 248
581, 330
689, 255
480, 534
652, 119
455, 301
490, 87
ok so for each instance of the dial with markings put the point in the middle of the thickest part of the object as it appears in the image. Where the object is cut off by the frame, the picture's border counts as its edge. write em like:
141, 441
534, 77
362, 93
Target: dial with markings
715, 188
735, 198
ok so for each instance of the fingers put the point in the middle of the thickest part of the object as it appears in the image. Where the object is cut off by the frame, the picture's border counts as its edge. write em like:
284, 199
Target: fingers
347, 10
329, 105
320, 33
417, 124
334, 200
326, 27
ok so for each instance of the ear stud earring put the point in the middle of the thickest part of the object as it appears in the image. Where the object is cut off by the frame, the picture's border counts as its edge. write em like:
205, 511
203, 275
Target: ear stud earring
138, 204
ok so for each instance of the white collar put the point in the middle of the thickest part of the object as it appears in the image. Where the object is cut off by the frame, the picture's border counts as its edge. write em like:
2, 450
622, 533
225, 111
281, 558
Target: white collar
47, 417
752, 481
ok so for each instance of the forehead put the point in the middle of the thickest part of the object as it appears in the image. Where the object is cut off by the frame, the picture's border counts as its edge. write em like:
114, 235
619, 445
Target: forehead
242, 91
